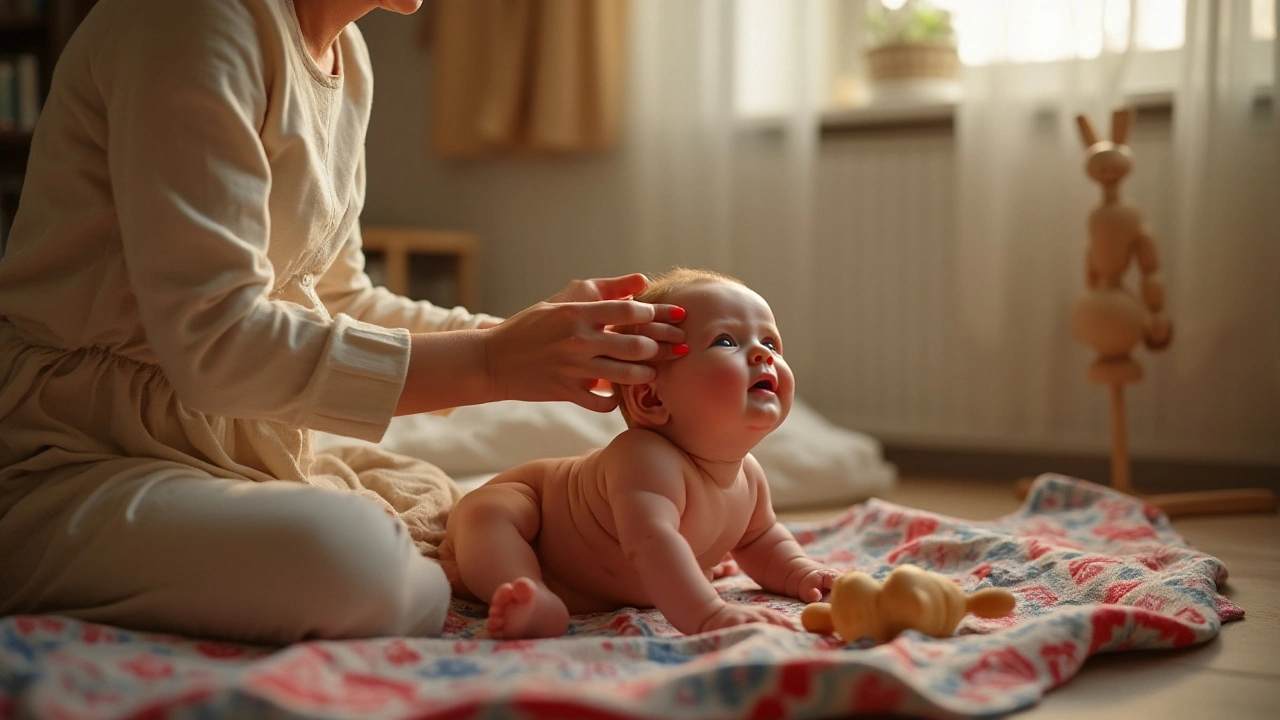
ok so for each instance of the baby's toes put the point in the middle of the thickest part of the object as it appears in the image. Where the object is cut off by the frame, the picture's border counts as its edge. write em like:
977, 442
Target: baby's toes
502, 597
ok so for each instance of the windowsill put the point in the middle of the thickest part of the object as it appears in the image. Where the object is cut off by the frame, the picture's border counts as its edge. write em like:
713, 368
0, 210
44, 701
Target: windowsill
890, 116
941, 114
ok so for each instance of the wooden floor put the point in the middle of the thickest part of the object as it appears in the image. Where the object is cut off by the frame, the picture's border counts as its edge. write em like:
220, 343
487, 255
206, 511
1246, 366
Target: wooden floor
1236, 675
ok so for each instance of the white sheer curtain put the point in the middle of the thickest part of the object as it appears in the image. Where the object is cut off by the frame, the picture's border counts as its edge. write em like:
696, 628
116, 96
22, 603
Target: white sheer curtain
1227, 178
1023, 197
721, 171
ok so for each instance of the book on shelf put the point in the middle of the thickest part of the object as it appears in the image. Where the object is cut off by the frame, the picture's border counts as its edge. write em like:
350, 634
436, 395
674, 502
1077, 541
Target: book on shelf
11, 10
19, 92
8, 96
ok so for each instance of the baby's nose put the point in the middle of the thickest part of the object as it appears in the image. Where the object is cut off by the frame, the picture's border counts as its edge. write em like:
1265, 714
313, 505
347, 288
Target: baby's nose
763, 355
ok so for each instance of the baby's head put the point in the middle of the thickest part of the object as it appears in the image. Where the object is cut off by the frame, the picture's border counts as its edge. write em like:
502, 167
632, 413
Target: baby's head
733, 388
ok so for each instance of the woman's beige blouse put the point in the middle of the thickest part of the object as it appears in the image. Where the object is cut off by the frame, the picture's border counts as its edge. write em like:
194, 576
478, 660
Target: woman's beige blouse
184, 285
192, 202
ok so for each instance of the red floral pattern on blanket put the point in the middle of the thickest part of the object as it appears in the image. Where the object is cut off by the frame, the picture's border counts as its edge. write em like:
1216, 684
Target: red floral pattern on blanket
1093, 571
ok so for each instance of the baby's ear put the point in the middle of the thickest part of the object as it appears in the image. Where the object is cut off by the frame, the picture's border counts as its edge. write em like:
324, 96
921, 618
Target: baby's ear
644, 405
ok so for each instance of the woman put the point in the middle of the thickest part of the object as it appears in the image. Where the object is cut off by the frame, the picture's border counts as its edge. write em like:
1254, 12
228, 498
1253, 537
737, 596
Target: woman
183, 301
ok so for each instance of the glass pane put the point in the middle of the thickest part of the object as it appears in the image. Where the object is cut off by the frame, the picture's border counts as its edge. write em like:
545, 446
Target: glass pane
992, 31
1264, 19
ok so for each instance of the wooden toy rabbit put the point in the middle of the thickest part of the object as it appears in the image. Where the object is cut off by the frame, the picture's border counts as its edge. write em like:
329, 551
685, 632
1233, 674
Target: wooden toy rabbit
909, 599
1108, 317
1112, 320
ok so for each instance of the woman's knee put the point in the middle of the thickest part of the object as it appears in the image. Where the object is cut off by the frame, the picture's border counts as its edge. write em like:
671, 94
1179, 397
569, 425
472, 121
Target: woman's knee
359, 573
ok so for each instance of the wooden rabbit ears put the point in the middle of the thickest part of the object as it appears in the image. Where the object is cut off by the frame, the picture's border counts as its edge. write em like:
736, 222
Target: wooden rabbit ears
1120, 122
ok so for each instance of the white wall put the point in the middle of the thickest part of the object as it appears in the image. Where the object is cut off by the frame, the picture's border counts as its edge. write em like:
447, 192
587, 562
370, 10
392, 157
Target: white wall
889, 357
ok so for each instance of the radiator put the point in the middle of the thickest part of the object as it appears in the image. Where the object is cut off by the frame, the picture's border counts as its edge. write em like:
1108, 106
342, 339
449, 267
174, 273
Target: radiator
895, 361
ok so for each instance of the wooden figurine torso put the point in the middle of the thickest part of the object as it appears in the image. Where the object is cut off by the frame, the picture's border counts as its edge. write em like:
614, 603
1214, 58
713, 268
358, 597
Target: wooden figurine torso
1109, 317
1113, 233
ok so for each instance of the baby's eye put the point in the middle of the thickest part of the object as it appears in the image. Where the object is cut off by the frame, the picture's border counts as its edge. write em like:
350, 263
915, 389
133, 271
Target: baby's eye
723, 341
771, 344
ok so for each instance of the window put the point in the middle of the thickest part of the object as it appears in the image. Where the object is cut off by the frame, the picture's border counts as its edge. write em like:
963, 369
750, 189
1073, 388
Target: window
1037, 31
986, 32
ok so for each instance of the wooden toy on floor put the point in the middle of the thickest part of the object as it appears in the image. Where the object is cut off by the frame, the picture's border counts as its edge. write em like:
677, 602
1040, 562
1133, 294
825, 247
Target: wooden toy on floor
909, 599
1112, 320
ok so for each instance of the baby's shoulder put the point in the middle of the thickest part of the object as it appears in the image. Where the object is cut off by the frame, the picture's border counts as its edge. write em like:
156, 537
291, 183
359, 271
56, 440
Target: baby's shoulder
639, 439
637, 450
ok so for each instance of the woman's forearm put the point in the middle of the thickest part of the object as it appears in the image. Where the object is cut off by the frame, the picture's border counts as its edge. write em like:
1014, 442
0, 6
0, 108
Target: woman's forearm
446, 370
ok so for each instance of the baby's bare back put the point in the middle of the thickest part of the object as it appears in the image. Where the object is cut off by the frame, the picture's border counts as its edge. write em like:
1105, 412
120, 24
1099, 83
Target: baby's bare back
577, 544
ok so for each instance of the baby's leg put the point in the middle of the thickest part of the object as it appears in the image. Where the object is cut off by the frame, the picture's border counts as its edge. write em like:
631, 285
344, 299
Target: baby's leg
490, 532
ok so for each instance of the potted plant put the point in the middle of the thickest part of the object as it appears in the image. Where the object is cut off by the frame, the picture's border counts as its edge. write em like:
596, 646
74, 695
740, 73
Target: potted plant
912, 50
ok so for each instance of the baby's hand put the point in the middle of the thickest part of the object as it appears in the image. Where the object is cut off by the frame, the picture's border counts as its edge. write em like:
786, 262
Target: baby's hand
731, 615
815, 583
726, 567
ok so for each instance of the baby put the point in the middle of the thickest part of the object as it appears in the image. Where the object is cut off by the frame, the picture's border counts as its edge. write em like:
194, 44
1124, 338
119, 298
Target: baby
643, 521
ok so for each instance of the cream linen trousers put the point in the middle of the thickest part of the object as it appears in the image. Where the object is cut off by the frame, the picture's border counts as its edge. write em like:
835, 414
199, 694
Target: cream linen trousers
119, 505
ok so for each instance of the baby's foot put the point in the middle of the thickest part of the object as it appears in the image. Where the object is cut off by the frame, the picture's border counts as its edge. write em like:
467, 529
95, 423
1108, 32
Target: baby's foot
525, 609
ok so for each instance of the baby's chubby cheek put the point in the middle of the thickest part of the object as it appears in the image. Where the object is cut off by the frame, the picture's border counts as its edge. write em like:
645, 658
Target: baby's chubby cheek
786, 386
723, 382
708, 386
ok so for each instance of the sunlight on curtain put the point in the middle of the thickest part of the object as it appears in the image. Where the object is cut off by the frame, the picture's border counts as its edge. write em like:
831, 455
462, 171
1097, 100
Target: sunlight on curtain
1227, 169
1047, 30
1023, 197
1022, 32
706, 190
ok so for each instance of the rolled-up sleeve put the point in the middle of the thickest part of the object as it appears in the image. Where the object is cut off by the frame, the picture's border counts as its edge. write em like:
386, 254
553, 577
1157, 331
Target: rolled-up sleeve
185, 98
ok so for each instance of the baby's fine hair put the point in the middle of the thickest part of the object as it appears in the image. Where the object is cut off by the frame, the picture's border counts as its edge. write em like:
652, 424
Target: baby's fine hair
663, 286
659, 290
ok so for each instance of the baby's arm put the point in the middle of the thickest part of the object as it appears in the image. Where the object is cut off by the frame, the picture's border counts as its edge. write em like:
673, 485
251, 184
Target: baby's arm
770, 555
644, 479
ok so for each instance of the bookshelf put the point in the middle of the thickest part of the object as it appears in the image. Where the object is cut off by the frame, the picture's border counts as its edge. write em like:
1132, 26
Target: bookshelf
435, 265
32, 36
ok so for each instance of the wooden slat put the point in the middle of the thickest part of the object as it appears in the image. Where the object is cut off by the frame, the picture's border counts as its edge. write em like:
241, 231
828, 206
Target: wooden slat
397, 244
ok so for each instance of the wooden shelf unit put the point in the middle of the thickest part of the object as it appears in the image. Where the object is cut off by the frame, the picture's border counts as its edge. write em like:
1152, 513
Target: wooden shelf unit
398, 244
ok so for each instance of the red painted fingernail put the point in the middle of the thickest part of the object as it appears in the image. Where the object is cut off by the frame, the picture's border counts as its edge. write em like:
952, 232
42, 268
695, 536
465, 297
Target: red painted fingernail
677, 313
680, 349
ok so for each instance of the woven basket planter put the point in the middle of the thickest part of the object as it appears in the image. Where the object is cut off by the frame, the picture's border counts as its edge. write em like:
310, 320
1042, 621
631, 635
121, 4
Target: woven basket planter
912, 61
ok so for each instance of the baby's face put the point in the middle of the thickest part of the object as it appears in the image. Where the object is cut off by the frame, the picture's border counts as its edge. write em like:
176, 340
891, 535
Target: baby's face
734, 383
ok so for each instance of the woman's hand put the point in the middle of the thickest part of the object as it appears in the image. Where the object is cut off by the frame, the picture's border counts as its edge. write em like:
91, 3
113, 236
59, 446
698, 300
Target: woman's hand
621, 288
618, 288
557, 351
562, 348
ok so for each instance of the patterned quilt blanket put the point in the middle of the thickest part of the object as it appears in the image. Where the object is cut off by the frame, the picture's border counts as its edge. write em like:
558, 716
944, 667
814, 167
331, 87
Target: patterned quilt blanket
1093, 571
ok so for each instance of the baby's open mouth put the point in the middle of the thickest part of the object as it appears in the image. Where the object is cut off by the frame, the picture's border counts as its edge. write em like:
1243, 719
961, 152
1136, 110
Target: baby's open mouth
766, 383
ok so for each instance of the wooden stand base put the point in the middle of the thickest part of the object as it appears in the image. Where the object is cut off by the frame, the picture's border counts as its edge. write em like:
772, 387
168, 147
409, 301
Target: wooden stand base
1116, 372
1208, 502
